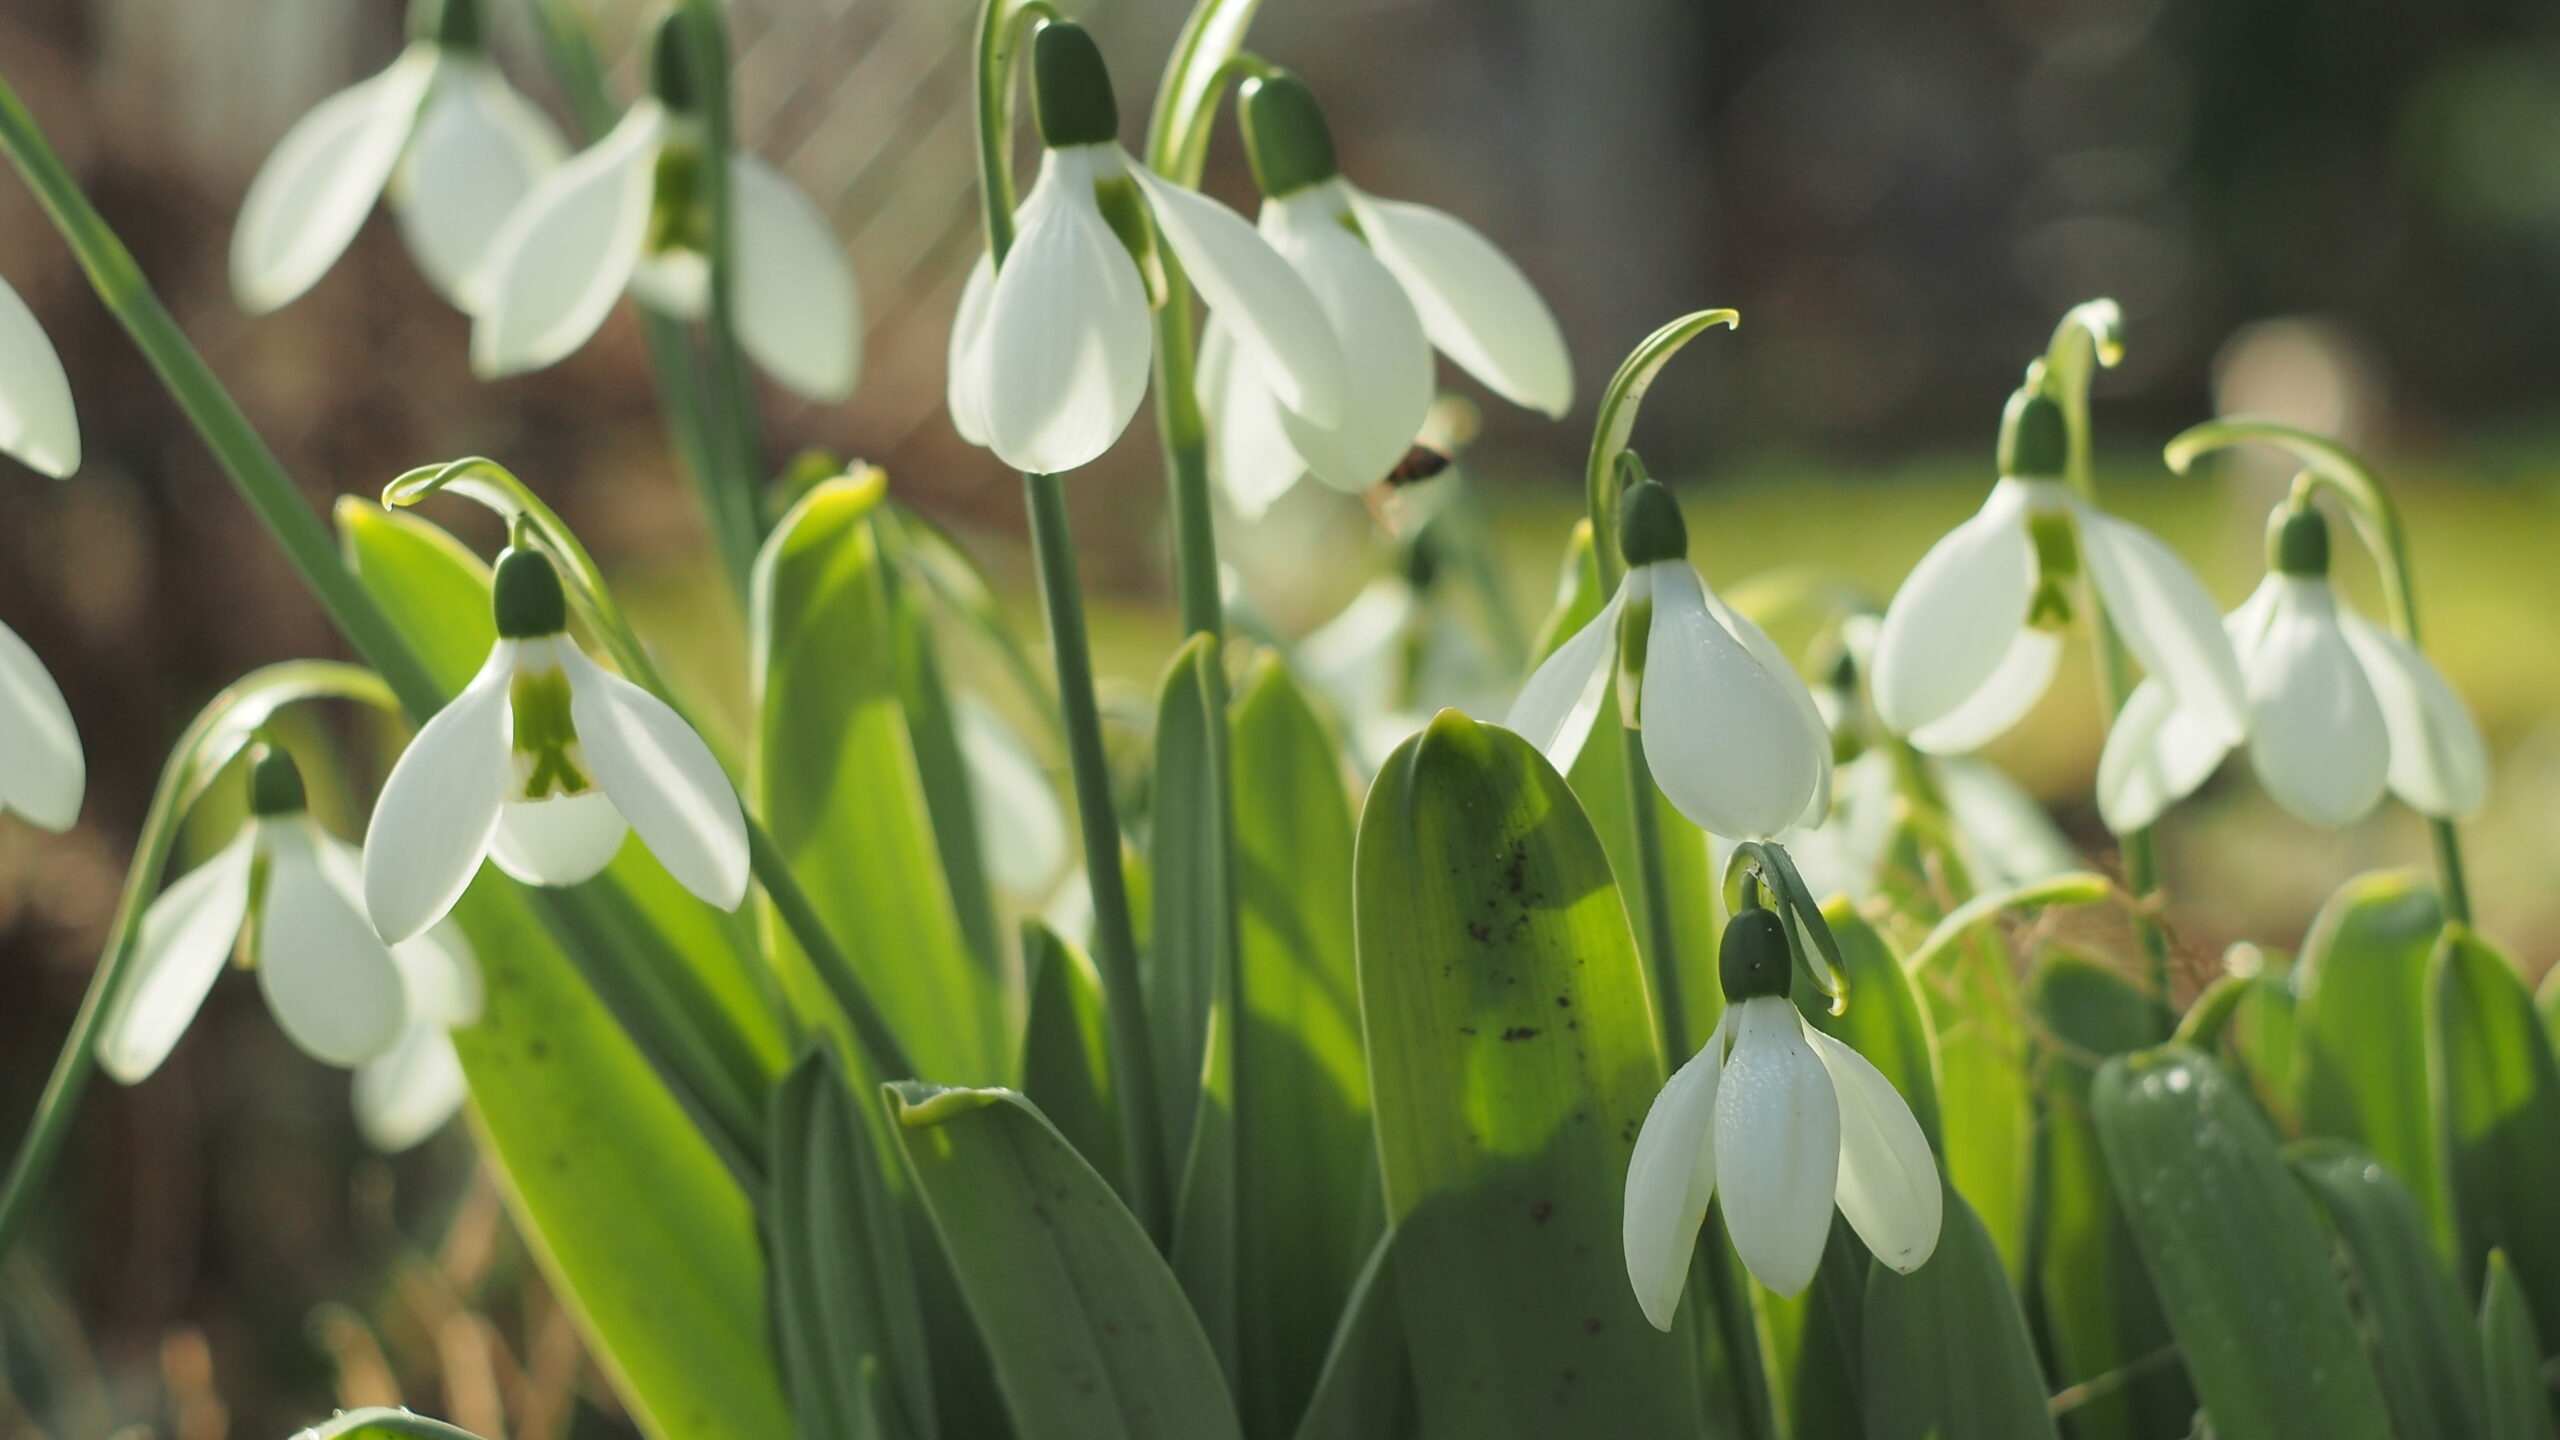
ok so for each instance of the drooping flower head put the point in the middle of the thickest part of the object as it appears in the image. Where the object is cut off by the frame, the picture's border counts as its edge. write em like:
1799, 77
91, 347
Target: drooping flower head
42, 774
1730, 731
2339, 709
1783, 1122
1971, 640
440, 132
631, 213
541, 763
1050, 353
1394, 280
287, 895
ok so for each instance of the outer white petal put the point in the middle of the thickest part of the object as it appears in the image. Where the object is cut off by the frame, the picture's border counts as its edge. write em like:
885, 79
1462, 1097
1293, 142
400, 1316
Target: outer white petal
331, 981
662, 778
1888, 1179
2002, 700
178, 951
478, 150
440, 972
964, 377
1957, 616
2316, 735
1019, 823
431, 824
2439, 763
1475, 304
2010, 838
799, 314
1670, 1179
1729, 745
313, 193
1777, 1146
1267, 307
1386, 358
1556, 708
556, 267
42, 774
2166, 617
37, 422
2157, 754
559, 841
1780, 668
407, 1095
1066, 348
1249, 443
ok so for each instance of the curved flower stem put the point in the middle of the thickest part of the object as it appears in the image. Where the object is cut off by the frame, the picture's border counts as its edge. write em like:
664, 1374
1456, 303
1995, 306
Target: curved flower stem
2330, 466
1002, 27
738, 521
2091, 335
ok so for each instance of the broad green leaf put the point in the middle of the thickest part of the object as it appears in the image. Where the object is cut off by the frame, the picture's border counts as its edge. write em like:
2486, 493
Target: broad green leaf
2235, 1252
1066, 1046
1883, 1020
1306, 1164
2362, 978
2498, 1108
835, 779
1512, 1056
2424, 1345
2094, 1300
1091, 1335
1810, 1341
1365, 1391
2519, 1400
2249, 1020
1984, 1093
846, 1315
1946, 1348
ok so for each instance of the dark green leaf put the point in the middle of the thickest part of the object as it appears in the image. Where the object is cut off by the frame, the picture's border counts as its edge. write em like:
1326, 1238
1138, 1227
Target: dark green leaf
1946, 1348
2424, 1345
2519, 1398
1365, 1391
2362, 1032
2498, 1108
1066, 1047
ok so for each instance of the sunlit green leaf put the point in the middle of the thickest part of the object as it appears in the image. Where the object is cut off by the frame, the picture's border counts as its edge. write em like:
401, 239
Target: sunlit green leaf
2362, 978
1066, 1047
2498, 1106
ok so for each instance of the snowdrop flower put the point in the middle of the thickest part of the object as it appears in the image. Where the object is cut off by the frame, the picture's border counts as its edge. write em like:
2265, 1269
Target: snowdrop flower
1394, 280
293, 891
1782, 1122
38, 427
628, 214
42, 773
541, 763
440, 132
1049, 356
407, 1093
2338, 709
1730, 731
1971, 641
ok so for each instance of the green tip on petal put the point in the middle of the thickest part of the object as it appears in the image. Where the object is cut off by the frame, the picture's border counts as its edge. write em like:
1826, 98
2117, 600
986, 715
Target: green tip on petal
1071, 88
671, 64
275, 784
2034, 442
1754, 962
1649, 525
2298, 542
1285, 137
526, 597
452, 25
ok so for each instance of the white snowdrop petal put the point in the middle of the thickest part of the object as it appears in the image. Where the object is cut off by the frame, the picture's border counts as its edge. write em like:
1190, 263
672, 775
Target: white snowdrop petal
432, 822
2157, 753
1777, 1142
1475, 304
1020, 825
662, 778
963, 376
2316, 735
407, 1095
42, 773
1267, 307
330, 980
313, 193
2002, 699
1783, 671
1562, 699
441, 973
1249, 446
1066, 349
1729, 746
478, 150
1670, 1179
799, 314
2439, 762
37, 422
1957, 615
557, 841
561, 260
1386, 359
2166, 617
178, 951
1888, 1187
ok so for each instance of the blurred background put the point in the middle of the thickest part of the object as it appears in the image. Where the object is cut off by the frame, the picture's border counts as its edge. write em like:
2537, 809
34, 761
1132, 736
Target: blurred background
2347, 214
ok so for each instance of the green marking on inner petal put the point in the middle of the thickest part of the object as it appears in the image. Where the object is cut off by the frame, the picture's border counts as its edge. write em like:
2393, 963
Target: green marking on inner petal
678, 220
1124, 209
1635, 637
2057, 565
548, 762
